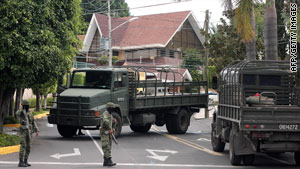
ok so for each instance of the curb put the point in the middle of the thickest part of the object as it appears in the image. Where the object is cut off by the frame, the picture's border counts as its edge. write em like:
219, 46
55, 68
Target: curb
9, 149
16, 148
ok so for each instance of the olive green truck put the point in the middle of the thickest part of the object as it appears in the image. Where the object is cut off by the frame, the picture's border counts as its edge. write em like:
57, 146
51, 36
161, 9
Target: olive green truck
258, 111
143, 96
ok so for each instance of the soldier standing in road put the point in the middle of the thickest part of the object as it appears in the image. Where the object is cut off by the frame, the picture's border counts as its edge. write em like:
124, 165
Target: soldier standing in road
27, 128
106, 130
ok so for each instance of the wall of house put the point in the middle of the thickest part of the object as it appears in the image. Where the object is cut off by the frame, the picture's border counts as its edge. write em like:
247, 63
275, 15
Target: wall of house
183, 39
140, 54
94, 50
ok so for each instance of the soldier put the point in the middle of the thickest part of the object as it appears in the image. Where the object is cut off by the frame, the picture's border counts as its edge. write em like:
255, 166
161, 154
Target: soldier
27, 128
106, 130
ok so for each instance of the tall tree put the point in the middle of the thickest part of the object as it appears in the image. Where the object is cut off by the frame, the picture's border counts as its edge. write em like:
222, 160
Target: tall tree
225, 46
270, 31
244, 20
37, 42
118, 7
281, 30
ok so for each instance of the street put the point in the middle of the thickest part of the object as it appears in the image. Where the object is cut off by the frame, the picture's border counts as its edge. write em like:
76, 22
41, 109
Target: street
156, 149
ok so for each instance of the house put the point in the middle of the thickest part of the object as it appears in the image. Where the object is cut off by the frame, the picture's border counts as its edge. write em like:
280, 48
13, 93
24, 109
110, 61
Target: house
144, 37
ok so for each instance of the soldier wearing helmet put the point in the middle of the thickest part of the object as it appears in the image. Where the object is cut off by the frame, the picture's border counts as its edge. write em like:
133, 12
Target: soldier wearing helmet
27, 128
106, 130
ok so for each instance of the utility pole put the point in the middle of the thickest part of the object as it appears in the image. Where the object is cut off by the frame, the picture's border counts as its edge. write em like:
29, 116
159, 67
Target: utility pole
206, 58
109, 35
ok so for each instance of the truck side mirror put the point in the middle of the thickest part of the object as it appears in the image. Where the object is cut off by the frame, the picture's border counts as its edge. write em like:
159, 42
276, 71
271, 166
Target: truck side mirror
215, 82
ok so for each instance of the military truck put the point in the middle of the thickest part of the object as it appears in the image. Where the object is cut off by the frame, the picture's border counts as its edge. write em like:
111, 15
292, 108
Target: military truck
258, 111
163, 100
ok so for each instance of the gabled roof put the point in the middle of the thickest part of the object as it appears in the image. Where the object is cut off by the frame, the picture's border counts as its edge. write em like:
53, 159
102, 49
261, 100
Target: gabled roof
142, 31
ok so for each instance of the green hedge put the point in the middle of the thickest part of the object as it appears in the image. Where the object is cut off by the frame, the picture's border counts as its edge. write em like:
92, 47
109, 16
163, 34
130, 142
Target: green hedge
10, 120
8, 140
32, 102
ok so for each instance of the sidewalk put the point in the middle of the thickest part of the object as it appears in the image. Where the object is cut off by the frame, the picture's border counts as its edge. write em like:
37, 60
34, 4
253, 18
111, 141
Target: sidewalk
12, 129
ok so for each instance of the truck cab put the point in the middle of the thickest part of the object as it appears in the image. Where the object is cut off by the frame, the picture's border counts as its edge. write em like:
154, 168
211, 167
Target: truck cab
81, 105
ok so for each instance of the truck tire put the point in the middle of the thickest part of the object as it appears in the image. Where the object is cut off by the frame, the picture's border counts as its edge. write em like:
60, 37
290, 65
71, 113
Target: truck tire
66, 131
140, 129
248, 159
297, 158
178, 123
234, 159
118, 124
217, 144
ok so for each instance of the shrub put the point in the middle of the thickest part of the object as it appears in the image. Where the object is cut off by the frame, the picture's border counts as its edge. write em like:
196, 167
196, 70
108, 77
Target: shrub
8, 140
32, 102
10, 120
49, 101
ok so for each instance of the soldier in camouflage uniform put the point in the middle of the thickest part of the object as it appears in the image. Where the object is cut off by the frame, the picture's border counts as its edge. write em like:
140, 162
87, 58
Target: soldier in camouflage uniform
106, 130
27, 128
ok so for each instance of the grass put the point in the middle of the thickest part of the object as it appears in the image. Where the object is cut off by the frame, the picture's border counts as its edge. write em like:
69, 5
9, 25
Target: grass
8, 140
41, 112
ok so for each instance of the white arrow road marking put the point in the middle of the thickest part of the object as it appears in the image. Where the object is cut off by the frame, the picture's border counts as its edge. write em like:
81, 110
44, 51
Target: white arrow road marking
157, 157
58, 156
49, 125
203, 139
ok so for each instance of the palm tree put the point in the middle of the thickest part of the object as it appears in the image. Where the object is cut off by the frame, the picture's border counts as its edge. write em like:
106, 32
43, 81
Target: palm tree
245, 24
270, 31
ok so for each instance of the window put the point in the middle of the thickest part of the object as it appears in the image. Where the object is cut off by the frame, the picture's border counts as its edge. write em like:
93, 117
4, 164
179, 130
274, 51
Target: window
118, 81
249, 80
91, 79
269, 80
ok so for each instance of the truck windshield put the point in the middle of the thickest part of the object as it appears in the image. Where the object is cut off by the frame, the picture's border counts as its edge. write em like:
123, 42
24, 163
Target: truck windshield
91, 79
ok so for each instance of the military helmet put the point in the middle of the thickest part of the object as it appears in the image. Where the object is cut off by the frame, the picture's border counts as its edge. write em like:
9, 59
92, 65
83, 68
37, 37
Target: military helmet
25, 102
110, 104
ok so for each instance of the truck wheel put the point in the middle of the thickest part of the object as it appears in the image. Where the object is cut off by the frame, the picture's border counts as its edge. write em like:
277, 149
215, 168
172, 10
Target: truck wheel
118, 124
297, 158
179, 123
141, 129
248, 159
217, 144
234, 159
66, 131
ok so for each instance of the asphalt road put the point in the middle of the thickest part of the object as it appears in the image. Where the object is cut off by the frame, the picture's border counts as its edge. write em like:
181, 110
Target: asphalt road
156, 149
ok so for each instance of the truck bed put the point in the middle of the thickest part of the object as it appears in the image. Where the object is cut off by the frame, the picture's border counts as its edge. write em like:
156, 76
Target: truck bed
266, 118
169, 100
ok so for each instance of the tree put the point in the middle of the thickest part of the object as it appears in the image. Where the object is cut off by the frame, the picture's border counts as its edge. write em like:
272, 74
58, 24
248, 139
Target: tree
281, 30
192, 61
225, 46
244, 20
270, 31
119, 8
104, 60
37, 42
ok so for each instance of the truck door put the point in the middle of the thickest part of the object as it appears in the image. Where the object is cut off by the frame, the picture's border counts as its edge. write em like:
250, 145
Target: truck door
120, 94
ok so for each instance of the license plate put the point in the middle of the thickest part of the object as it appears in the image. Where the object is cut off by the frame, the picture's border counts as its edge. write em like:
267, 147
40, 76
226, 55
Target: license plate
288, 127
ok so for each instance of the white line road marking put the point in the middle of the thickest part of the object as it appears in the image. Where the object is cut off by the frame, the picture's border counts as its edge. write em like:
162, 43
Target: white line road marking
157, 157
97, 145
203, 139
58, 156
49, 125
127, 164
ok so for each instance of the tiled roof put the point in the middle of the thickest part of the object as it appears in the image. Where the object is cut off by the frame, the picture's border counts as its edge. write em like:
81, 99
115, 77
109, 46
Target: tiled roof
149, 30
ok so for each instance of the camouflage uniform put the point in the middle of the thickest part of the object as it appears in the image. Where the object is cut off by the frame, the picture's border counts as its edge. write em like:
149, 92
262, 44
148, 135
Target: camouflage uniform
106, 126
27, 128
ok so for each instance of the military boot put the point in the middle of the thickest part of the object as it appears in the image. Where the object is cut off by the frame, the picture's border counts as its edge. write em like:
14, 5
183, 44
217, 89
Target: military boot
22, 164
105, 162
110, 163
26, 162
